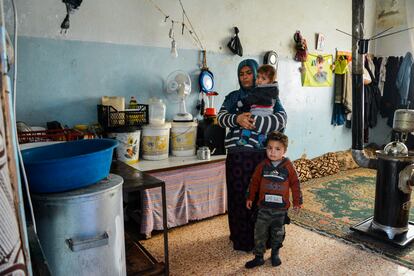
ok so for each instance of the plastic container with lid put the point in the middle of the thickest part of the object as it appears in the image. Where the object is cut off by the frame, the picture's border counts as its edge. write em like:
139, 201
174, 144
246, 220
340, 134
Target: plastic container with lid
129, 141
155, 141
156, 112
183, 138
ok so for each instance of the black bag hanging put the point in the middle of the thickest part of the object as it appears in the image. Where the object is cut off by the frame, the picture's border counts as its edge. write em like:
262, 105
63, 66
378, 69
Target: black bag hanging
235, 44
71, 5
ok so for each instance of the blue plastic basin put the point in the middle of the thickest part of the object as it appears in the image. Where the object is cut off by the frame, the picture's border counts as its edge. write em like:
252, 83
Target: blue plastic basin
67, 166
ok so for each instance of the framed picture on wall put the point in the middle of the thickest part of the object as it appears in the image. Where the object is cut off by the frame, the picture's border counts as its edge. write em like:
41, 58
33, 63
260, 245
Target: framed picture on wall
392, 13
320, 42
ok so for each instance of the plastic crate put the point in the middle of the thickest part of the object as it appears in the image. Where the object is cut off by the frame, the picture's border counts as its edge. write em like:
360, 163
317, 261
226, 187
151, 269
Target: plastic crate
49, 135
110, 118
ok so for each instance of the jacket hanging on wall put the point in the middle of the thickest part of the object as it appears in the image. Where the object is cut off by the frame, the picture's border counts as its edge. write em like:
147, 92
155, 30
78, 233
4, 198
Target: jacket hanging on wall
390, 100
235, 44
372, 100
403, 77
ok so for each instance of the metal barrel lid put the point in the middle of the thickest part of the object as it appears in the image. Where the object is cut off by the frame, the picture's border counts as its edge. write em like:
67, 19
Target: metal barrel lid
402, 158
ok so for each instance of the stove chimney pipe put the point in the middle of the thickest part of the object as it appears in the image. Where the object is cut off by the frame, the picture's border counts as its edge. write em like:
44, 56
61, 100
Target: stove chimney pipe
358, 88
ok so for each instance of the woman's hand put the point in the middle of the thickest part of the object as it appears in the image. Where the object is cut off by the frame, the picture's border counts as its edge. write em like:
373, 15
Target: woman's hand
245, 120
249, 204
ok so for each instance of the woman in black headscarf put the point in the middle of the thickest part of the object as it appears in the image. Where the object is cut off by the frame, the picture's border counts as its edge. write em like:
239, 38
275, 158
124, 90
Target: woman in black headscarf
242, 159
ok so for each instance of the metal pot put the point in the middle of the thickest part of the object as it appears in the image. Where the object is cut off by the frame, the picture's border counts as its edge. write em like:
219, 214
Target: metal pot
403, 120
82, 231
203, 153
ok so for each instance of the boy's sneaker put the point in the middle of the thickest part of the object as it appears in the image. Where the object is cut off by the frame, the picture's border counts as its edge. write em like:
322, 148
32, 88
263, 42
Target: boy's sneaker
258, 260
276, 260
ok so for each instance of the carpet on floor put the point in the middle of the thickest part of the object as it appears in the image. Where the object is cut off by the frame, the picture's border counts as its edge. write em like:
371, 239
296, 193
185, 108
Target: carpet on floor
334, 203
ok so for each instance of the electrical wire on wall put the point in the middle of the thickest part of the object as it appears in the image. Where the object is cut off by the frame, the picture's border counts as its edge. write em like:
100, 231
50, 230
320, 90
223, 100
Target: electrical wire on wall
191, 25
363, 42
22, 169
6, 62
184, 25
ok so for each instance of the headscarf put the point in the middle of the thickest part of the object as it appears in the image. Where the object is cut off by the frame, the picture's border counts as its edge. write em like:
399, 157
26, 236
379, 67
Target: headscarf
230, 103
253, 65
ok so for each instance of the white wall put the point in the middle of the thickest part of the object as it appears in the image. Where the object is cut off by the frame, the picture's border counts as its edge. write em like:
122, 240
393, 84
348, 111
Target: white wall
263, 24
400, 43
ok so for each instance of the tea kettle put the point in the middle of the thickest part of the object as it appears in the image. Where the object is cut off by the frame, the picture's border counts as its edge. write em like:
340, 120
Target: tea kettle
396, 148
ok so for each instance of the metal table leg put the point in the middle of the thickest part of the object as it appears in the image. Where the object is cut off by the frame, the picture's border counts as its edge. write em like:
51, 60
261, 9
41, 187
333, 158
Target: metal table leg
164, 222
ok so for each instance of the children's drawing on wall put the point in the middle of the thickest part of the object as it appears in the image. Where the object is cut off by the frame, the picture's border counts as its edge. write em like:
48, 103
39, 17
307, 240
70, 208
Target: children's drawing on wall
317, 70
391, 13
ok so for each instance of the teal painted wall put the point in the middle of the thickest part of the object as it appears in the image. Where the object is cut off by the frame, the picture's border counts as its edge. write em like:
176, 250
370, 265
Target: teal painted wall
64, 80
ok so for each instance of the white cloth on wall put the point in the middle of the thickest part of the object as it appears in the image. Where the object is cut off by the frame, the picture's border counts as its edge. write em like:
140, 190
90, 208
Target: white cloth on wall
371, 64
367, 77
347, 92
382, 75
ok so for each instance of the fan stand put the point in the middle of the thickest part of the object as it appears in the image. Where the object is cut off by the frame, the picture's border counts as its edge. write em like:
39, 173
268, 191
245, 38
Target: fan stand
183, 115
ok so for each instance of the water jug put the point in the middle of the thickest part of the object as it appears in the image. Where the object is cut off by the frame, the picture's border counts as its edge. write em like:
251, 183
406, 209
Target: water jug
156, 112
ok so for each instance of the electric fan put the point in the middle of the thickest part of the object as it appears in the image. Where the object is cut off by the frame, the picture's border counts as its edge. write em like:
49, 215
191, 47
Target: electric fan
178, 87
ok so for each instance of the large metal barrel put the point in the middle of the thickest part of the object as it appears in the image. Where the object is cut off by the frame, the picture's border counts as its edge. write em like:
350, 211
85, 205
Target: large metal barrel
392, 202
82, 231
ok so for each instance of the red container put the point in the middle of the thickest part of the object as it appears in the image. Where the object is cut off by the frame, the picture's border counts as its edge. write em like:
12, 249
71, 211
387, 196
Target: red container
49, 135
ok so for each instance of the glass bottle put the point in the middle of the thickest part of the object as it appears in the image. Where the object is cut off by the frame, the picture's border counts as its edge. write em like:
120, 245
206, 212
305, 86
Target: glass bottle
133, 104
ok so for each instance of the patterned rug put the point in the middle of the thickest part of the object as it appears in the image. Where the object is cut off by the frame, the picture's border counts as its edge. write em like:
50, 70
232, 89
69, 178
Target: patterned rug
334, 203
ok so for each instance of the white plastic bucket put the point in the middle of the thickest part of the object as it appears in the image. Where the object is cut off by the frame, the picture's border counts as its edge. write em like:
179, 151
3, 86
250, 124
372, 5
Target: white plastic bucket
155, 142
183, 138
128, 148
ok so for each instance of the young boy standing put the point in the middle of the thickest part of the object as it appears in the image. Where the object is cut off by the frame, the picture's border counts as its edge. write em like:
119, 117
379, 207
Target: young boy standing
272, 180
